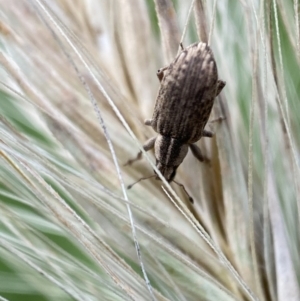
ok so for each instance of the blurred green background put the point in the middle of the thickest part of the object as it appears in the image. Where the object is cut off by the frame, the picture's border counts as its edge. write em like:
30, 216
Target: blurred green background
77, 80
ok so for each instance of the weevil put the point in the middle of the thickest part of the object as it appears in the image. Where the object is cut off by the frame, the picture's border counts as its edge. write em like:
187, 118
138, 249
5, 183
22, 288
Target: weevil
188, 87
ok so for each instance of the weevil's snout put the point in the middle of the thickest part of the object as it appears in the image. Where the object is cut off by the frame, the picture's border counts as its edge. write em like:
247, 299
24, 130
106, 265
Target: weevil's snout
169, 154
169, 172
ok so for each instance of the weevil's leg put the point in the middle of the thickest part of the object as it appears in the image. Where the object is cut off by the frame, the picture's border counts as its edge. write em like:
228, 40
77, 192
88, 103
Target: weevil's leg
196, 152
148, 122
206, 133
220, 85
218, 119
181, 46
160, 73
149, 144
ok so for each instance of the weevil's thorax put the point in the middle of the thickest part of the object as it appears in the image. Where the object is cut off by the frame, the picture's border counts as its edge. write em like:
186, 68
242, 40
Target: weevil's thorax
169, 153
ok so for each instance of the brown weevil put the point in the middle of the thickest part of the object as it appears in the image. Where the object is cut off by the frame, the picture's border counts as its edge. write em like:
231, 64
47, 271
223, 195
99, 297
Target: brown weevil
188, 87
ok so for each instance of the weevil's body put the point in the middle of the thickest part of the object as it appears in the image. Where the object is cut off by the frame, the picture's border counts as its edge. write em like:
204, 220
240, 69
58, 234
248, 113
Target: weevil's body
186, 95
185, 99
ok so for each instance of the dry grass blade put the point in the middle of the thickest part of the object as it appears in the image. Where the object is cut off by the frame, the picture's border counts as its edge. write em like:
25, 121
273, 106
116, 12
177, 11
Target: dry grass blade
168, 27
112, 151
201, 23
296, 11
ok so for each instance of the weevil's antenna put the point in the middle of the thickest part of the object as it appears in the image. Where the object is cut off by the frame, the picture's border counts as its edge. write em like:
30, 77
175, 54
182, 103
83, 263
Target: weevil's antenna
139, 180
182, 186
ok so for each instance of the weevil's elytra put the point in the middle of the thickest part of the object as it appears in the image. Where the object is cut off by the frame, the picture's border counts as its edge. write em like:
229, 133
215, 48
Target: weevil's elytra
185, 99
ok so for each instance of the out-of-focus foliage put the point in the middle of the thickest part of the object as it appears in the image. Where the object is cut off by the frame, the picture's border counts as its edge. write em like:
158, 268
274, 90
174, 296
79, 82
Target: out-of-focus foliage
77, 80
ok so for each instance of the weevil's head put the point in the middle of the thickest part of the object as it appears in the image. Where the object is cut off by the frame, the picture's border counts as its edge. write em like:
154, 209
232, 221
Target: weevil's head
169, 153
